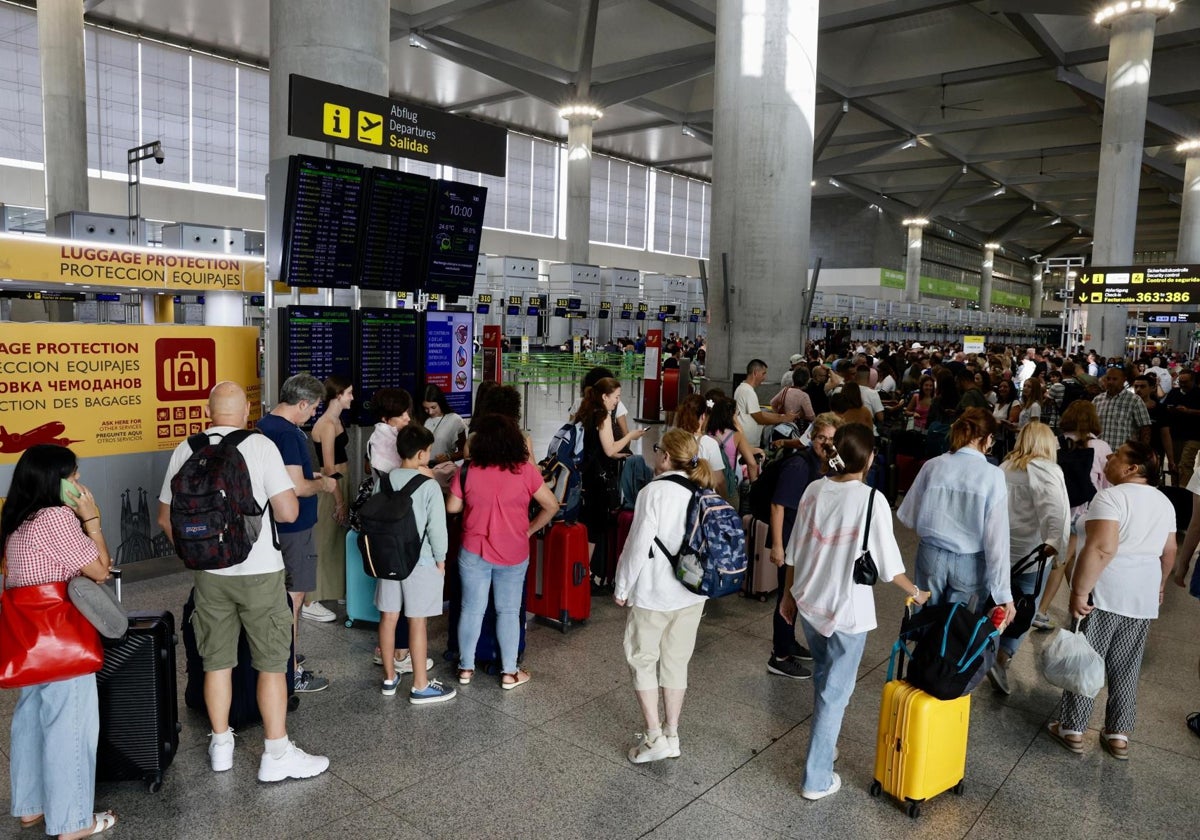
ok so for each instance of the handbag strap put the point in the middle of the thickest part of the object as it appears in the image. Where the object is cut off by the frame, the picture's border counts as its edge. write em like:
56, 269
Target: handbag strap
870, 511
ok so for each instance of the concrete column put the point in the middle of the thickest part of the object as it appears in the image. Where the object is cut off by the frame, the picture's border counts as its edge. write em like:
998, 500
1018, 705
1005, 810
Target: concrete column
1036, 292
64, 106
342, 43
1188, 249
1130, 49
579, 189
223, 309
764, 104
985, 279
912, 264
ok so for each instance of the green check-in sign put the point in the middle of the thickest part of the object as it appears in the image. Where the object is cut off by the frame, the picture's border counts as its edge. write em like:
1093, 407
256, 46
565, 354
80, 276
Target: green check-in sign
334, 114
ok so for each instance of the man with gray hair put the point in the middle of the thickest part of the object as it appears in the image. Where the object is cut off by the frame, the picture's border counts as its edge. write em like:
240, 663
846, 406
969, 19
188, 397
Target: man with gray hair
298, 400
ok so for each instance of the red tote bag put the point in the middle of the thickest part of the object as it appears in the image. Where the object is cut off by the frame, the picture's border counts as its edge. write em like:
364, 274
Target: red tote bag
44, 637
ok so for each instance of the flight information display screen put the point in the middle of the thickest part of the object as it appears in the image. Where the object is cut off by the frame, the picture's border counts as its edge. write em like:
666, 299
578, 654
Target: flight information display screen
456, 228
321, 224
317, 340
395, 231
387, 345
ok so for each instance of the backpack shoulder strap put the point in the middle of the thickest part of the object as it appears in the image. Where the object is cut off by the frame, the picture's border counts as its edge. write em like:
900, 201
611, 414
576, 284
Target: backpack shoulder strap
685, 483
236, 437
412, 484
198, 441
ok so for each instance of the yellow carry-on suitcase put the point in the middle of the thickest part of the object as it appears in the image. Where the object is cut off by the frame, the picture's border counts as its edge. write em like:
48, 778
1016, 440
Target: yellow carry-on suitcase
921, 749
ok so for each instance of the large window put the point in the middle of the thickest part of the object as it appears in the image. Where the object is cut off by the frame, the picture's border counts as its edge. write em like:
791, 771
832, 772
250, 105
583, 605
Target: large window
214, 122
253, 119
619, 195
526, 199
682, 207
166, 107
20, 86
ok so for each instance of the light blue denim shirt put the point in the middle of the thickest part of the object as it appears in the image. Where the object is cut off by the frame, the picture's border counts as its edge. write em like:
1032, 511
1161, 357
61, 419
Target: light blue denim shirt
959, 503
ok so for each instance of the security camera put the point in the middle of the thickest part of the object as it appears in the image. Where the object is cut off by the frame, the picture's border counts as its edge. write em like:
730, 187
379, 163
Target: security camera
159, 155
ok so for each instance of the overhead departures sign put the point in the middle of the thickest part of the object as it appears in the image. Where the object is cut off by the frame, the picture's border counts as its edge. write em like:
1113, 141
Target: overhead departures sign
334, 114
109, 389
1139, 284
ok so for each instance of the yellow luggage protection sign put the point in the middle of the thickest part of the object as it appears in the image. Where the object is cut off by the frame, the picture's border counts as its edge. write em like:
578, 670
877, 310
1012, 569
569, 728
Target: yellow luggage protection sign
153, 269
114, 389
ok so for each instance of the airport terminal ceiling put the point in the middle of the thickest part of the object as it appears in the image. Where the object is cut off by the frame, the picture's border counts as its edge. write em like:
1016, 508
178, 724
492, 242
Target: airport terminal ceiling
919, 102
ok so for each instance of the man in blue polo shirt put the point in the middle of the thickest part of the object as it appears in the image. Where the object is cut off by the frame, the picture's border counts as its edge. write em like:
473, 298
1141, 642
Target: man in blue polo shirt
298, 401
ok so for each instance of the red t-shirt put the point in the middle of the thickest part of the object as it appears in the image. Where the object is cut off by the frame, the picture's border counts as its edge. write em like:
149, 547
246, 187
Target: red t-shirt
496, 511
48, 548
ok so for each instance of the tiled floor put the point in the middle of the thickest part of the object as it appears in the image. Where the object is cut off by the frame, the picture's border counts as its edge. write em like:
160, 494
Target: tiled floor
547, 760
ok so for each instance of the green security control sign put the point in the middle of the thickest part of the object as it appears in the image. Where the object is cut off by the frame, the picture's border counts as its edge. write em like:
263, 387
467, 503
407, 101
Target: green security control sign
334, 114
1139, 284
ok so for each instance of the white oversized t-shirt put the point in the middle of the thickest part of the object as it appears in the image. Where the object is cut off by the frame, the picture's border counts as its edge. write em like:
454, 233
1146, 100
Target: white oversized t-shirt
825, 541
747, 406
1129, 585
268, 476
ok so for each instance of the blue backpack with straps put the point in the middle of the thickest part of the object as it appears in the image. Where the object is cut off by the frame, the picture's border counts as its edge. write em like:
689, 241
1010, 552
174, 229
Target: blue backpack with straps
954, 648
712, 559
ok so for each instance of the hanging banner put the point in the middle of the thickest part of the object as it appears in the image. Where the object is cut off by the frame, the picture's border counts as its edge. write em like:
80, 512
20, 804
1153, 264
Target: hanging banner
113, 389
82, 263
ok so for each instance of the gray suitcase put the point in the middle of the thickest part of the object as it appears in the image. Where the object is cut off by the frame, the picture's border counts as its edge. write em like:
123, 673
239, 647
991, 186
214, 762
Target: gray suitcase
762, 576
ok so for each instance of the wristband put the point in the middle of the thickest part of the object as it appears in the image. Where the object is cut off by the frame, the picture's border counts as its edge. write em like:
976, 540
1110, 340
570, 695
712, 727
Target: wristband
89, 519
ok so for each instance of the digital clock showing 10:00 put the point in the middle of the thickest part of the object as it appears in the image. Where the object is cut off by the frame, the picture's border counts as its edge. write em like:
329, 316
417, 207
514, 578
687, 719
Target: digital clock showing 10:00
1163, 297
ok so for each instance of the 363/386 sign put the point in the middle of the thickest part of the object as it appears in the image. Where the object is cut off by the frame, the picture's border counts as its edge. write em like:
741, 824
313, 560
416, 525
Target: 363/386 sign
1139, 284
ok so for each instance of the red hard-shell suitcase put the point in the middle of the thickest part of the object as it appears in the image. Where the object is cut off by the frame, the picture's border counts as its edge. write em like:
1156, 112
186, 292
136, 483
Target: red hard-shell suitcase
762, 576
907, 467
558, 585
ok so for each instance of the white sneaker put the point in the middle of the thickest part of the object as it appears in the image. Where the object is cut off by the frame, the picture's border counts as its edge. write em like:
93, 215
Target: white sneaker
405, 665
293, 764
821, 794
317, 612
647, 751
220, 756
673, 742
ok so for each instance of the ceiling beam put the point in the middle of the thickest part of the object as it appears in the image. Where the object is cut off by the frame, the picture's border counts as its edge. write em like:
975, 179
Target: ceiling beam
946, 208
826, 133
90, 5
844, 163
1182, 39
450, 12
684, 161
1005, 121
494, 99
1007, 227
634, 87
1173, 122
1037, 36
1061, 244
505, 56
632, 129
987, 73
692, 12
587, 50
534, 84
931, 200
670, 58
882, 13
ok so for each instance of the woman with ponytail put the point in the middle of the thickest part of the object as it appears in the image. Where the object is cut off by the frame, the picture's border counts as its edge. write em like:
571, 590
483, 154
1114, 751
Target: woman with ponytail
660, 633
835, 612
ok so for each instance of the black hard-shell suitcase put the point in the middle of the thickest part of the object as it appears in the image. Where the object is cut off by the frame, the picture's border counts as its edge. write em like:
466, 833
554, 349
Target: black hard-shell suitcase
243, 708
139, 717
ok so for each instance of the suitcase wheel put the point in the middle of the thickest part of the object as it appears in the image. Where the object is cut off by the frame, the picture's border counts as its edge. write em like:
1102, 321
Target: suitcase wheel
913, 810
154, 785
960, 788
349, 622
875, 789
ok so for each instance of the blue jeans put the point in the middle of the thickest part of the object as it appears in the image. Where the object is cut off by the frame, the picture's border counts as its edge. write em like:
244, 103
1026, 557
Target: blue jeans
952, 577
1024, 583
507, 583
52, 759
835, 672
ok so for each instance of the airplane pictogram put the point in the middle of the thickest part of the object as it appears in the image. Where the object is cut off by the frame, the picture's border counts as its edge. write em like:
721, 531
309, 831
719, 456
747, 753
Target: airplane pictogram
45, 433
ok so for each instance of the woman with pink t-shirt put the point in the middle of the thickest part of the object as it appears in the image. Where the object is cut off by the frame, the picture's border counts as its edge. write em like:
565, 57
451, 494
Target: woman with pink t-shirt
494, 490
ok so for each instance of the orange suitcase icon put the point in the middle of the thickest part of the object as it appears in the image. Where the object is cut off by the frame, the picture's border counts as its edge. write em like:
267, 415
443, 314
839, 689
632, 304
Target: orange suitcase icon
185, 371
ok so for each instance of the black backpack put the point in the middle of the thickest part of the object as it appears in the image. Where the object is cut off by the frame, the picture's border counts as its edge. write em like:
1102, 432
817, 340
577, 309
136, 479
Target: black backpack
1075, 459
763, 489
389, 540
1072, 391
954, 648
215, 519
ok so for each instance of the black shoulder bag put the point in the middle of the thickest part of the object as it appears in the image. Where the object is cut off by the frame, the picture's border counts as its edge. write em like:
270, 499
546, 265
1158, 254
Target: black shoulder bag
865, 572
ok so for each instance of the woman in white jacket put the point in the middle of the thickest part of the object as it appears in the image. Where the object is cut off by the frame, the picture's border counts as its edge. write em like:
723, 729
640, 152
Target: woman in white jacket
835, 612
660, 634
1038, 514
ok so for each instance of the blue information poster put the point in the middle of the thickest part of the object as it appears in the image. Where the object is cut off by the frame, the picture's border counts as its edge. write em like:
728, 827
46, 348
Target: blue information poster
448, 356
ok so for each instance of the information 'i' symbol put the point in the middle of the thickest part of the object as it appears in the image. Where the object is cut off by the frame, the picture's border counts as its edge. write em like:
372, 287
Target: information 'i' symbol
336, 122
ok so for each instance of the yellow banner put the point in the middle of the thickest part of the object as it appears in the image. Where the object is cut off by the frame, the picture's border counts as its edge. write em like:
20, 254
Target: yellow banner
86, 264
114, 389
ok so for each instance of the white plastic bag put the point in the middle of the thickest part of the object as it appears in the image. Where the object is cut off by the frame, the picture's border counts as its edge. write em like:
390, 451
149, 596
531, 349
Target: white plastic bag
1071, 663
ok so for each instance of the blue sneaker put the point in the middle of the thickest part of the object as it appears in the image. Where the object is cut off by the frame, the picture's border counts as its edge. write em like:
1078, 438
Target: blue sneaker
435, 692
390, 686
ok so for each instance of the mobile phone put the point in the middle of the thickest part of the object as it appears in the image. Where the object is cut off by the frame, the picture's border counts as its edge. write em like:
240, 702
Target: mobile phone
70, 493
335, 475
